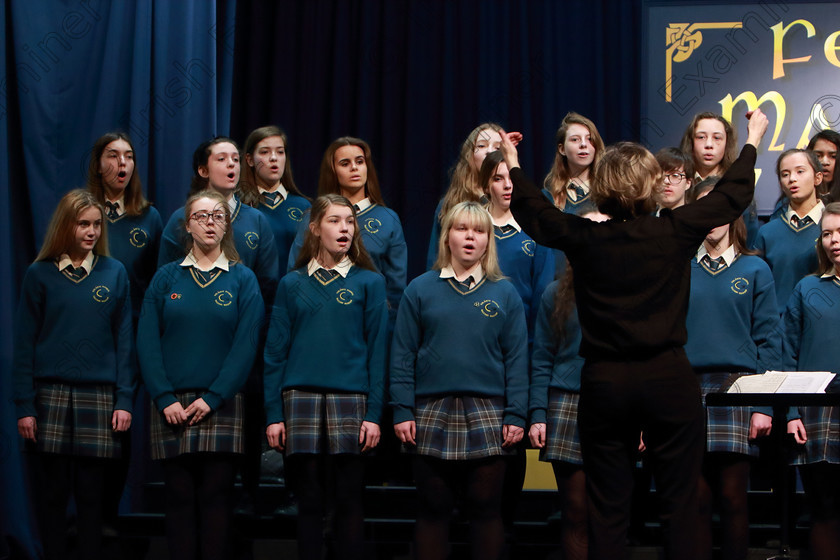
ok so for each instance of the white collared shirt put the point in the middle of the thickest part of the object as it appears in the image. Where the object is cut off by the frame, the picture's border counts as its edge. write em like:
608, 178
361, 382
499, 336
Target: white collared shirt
64, 261
509, 222
221, 262
120, 202
281, 190
729, 255
815, 213
343, 267
363, 205
477, 273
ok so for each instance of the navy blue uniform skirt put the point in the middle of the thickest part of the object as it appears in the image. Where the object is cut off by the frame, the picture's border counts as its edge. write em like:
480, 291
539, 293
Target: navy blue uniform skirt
323, 422
219, 432
562, 435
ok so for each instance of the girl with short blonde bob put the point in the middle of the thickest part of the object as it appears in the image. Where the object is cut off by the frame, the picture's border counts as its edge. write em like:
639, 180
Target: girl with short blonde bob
459, 377
325, 418
73, 370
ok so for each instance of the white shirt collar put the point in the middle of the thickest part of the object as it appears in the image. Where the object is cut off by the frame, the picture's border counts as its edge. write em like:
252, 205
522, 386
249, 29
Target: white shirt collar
232, 204
220, 262
477, 273
509, 222
815, 213
281, 190
728, 256
343, 267
64, 261
363, 204
120, 202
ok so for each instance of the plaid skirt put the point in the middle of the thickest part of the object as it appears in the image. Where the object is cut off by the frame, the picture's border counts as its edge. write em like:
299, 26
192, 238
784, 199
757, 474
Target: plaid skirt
323, 422
562, 436
460, 428
727, 427
220, 432
76, 420
822, 426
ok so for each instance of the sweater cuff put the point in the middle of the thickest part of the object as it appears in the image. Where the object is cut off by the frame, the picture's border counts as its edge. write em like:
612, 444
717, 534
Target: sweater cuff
513, 420
25, 410
403, 414
124, 403
165, 400
538, 416
213, 400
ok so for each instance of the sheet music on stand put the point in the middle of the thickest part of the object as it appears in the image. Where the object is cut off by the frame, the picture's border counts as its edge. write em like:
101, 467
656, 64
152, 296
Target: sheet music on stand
783, 382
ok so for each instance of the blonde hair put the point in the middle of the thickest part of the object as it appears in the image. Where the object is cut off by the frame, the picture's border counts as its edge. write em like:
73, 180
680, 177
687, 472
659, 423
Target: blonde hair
625, 181
559, 176
464, 182
61, 233
476, 215
227, 244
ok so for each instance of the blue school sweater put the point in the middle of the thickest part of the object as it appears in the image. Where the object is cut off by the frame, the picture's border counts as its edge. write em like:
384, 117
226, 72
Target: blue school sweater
434, 239
382, 235
733, 319
812, 319
199, 337
285, 218
74, 332
252, 237
327, 337
528, 266
552, 366
447, 342
577, 207
134, 241
790, 252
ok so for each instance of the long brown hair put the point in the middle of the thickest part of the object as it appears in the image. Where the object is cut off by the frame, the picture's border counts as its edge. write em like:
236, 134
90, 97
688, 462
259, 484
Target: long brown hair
730, 151
201, 156
135, 202
227, 244
464, 181
564, 304
825, 266
248, 186
328, 180
61, 233
312, 244
559, 175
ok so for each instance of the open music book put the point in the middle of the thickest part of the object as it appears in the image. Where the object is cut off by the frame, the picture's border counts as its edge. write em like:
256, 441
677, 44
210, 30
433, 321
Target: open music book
783, 382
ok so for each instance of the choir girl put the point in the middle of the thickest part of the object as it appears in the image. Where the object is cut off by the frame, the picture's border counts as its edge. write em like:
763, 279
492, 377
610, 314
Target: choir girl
267, 185
677, 177
347, 169
197, 340
73, 372
579, 148
463, 183
216, 167
712, 142
787, 242
459, 382
631, 287
810, 344
733, 326
325, 418
825, 144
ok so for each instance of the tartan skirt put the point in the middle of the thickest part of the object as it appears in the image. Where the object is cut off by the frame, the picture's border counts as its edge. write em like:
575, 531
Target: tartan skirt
562, 436
220, 432
460, 428
323, 422
727, 427
822, 426
76, 420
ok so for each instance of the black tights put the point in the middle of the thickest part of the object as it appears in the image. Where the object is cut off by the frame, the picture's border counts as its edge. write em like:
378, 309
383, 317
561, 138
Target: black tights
199, 489
821, 482
57, 476
437, 484
727, 475
310, 476
574, 534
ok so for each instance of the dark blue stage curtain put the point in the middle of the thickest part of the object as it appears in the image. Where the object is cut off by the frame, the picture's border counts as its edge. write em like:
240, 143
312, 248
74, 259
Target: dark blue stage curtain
413, 77
72, 70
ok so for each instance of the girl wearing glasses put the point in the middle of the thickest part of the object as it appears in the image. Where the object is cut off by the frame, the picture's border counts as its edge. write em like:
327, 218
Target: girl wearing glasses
73, 370
325, 418
677, 174
197, 340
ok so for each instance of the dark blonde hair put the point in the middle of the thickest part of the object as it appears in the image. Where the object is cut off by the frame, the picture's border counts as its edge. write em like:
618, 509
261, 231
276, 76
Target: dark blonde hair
476, 215
61, 233
464, 180
328, 180
312, 244
559, 175
825, 266
227, 244
625, 180
201, 157
248, 185
730, 151
135, 202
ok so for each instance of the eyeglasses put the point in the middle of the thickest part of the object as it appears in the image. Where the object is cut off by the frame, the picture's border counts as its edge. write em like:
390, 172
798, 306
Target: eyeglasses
673, 178
203, 217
